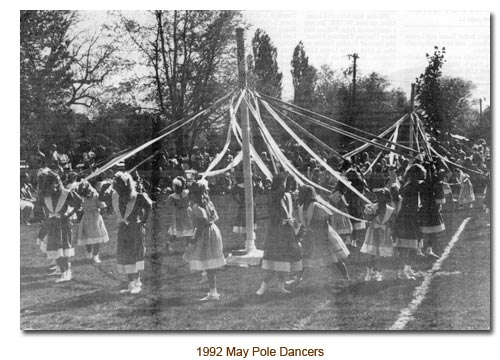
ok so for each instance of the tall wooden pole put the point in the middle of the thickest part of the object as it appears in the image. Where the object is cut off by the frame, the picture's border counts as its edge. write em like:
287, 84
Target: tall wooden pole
412, 109
245, 127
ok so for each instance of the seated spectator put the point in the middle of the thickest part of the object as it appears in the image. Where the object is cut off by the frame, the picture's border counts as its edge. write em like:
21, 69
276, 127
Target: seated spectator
27, 199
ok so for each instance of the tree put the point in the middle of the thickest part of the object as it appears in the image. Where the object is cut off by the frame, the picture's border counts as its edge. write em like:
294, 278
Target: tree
455, 105
265, 66
61, 67
428, 92
45, 77
304, 78
189, 56
378, 106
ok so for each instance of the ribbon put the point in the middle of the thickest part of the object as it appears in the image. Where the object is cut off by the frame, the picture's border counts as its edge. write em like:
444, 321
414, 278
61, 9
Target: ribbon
297, 175
128, 154
313, 154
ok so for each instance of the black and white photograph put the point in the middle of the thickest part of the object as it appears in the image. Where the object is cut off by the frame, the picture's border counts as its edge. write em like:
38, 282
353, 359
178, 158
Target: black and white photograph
255, 170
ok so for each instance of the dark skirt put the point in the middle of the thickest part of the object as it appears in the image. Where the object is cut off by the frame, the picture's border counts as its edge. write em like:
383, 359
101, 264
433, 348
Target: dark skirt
130, 247
58, 238
430, 219
281, 250
407, 228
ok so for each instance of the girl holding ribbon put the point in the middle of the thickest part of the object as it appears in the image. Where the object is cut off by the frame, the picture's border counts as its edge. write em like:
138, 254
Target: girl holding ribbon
282, 253
205, 254
378, 240
133, 209
321, 244
55, 237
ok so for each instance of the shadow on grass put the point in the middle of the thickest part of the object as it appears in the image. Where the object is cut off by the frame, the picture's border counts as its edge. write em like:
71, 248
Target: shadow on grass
156, 305
364, 288
78, 302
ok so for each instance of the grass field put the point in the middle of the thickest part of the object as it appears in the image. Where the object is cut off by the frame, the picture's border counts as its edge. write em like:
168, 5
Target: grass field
458, 297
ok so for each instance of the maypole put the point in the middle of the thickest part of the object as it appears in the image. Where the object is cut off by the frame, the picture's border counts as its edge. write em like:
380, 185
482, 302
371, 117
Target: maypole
412, 109
251, 255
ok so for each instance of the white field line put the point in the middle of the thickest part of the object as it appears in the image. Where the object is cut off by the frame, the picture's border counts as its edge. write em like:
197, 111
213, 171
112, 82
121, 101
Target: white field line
302, 323
406, 315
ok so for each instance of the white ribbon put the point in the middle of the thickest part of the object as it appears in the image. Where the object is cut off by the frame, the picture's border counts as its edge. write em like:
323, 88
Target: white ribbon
382, 134
287, 165
313, 154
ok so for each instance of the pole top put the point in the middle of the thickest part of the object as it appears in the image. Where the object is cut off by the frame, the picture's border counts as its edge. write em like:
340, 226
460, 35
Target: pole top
240, 50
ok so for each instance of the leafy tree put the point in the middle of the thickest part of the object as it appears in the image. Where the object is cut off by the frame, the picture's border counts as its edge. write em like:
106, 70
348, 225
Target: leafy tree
455, 105
45, 78
428, 92
304, 78
61, 67
378, 106
190, 62
265, 66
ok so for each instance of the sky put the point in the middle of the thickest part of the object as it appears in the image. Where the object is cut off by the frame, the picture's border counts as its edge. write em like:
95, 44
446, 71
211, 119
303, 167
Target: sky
392, 43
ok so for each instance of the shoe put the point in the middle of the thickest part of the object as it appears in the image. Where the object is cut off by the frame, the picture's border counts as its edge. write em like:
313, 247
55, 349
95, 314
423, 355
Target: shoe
281, 288
136, 288
294, 281
431, 254
128, 289
262, 289
89, 255
56, 271
420, 253
96, 259
66, 276
403, 276
378, 276
408, 273
368, 276
211, 297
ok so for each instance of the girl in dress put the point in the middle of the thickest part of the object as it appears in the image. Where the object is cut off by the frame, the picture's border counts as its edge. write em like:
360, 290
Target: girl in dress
91, 230
431, 221
206, 252
407, 227
355, 205
182, 226
321, 245
341, 224
55, 237
466, 198
282, 253
133, 209
378, 240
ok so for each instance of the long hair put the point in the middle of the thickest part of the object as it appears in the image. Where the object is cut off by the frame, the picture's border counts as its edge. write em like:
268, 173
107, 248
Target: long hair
199, 193
415, 172
307, 195
47, 182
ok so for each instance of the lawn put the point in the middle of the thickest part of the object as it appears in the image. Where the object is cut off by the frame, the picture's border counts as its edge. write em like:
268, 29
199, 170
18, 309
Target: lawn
169, 301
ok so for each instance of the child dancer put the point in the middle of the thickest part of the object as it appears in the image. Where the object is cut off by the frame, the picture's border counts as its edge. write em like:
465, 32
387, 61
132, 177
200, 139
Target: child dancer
182, 226
322, 246
355, 205
466, 198
282, 253
431, 221
91, 230
378, 240
407, 227
238, 192
55, 237
133, 210
341, 224
206, 252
